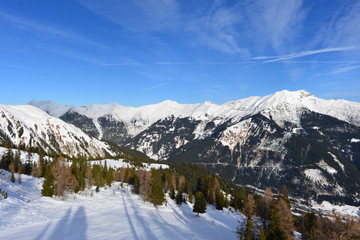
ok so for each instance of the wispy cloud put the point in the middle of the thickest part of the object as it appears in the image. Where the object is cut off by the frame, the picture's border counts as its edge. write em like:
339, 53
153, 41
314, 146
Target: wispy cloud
344, 28
161, 85
122, 62
274, 22
26, 24
74, 54
20, 67
324, 62
217, 28
137, 16
303, 54
205, 63
344, 69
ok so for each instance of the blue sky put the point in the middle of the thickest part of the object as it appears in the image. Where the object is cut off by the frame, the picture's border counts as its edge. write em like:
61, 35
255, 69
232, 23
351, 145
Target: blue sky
145, 51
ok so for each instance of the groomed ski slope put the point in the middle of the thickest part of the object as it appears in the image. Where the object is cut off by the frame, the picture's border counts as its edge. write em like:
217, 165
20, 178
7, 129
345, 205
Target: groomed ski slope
113, 213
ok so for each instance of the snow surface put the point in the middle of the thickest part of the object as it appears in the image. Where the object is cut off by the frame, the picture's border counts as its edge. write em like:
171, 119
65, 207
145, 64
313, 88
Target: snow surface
121, 163
316, 176
326, 167
281, 107
113, 213
337, 161
344, 209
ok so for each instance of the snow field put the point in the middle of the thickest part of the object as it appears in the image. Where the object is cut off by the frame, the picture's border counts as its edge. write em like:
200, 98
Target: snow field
113, 213
121, 163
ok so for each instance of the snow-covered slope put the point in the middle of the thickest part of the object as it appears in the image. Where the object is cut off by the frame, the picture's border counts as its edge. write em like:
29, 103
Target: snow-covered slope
113, 213
31, 127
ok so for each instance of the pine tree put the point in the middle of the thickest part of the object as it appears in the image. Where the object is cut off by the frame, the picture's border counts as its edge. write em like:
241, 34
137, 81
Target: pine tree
27, 168
157, 196
190, 197
263, 208
12, 177
136, 184
172, 192
281, 225
17, 162
77, 169
200, 203
219, 200
98, 177
249, 230
179, 198
7, 159
309, 226
48, 184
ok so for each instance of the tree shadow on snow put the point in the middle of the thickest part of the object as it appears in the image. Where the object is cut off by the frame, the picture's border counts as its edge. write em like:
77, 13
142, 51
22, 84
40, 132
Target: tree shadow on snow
70, 227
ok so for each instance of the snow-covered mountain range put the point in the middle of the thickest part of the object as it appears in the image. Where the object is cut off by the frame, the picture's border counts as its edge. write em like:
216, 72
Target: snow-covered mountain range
283, 106
288, 138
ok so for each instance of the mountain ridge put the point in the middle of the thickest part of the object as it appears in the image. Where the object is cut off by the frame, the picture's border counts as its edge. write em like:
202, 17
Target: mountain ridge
296, 139
250, 105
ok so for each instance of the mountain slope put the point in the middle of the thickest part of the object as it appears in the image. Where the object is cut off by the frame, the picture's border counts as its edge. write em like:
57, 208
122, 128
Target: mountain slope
29, 126
310, 144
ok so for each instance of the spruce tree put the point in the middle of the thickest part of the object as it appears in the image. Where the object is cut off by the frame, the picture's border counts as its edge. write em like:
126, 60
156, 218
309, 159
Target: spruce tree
220, 201
27, 168
309, 226
172, 192
249, 230
136, 184
200, 203
98, 176
190, 197
7, 159
157, 196
276, 230
48, 185
179, 198
17, 162
12, 177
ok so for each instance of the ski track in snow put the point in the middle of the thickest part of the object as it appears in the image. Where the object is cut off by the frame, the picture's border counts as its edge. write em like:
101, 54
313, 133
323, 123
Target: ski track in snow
113, 213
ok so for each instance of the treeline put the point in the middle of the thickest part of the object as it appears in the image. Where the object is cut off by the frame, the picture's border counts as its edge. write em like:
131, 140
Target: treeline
11, 162
61, 177
268, 216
